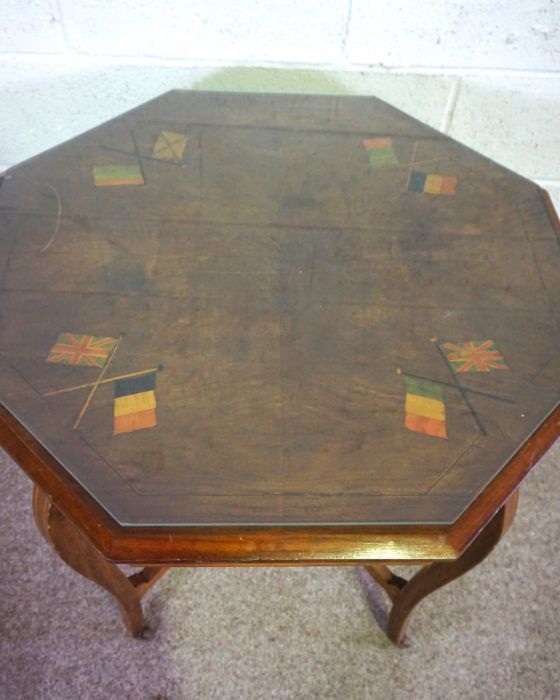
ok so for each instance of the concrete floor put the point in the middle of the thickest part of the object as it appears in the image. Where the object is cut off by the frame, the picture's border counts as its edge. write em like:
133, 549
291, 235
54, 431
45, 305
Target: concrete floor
287, 632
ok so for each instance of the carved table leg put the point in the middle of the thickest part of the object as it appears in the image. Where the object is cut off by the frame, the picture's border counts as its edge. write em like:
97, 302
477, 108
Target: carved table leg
407, 594
77, 552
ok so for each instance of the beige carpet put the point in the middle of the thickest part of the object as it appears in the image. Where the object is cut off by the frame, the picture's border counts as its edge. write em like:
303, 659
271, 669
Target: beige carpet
286, 632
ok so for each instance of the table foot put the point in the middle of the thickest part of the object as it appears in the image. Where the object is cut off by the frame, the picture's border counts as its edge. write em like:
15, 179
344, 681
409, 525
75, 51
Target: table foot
74, 548
407, 594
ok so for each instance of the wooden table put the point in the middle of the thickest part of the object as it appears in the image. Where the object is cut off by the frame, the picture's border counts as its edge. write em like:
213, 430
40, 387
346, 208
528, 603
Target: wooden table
275, 329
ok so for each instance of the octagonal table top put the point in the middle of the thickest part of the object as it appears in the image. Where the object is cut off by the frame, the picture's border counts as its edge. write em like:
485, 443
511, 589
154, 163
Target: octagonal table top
238, 309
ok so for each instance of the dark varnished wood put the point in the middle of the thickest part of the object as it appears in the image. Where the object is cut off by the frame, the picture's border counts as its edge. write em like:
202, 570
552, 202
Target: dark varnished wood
406, 595
277, 280
76, 550
267, 546
281, 286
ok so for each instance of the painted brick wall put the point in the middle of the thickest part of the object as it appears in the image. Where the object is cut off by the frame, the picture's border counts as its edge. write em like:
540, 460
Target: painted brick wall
504, 34
485, 71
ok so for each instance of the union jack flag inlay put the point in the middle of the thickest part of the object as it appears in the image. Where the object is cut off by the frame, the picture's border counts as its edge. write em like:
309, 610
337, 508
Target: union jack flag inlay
76, 349
473, 356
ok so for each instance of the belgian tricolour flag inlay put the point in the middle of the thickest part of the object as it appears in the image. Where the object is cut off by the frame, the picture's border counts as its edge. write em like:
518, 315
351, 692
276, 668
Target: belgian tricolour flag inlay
432, 184
424, 407
135, 403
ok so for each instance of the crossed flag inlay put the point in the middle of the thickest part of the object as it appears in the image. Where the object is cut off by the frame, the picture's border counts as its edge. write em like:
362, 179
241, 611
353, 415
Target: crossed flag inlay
424, 402
134, 392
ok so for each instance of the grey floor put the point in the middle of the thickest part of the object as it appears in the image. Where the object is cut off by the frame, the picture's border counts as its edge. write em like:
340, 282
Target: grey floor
285, 632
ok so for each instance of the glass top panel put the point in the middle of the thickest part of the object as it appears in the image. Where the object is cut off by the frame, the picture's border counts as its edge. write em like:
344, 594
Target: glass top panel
225, 308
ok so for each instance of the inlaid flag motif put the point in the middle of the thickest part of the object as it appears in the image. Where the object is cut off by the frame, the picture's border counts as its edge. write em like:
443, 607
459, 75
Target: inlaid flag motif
86, 350
170, 146
381, 153
424, 407
432, 184
473, 356
135, 404
117, 175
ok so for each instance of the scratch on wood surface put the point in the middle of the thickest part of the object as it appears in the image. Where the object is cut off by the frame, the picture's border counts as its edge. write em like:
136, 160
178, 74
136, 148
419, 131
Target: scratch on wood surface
58, 205
58, 218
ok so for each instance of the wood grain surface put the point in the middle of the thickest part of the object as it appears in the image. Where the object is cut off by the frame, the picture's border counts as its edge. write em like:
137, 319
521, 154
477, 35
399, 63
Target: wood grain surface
263, 310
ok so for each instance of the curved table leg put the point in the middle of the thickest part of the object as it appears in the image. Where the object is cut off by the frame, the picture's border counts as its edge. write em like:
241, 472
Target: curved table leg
407, 594
73, 547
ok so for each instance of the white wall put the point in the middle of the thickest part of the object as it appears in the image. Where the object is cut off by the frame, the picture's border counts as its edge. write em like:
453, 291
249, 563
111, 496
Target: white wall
486, 71
487, 34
